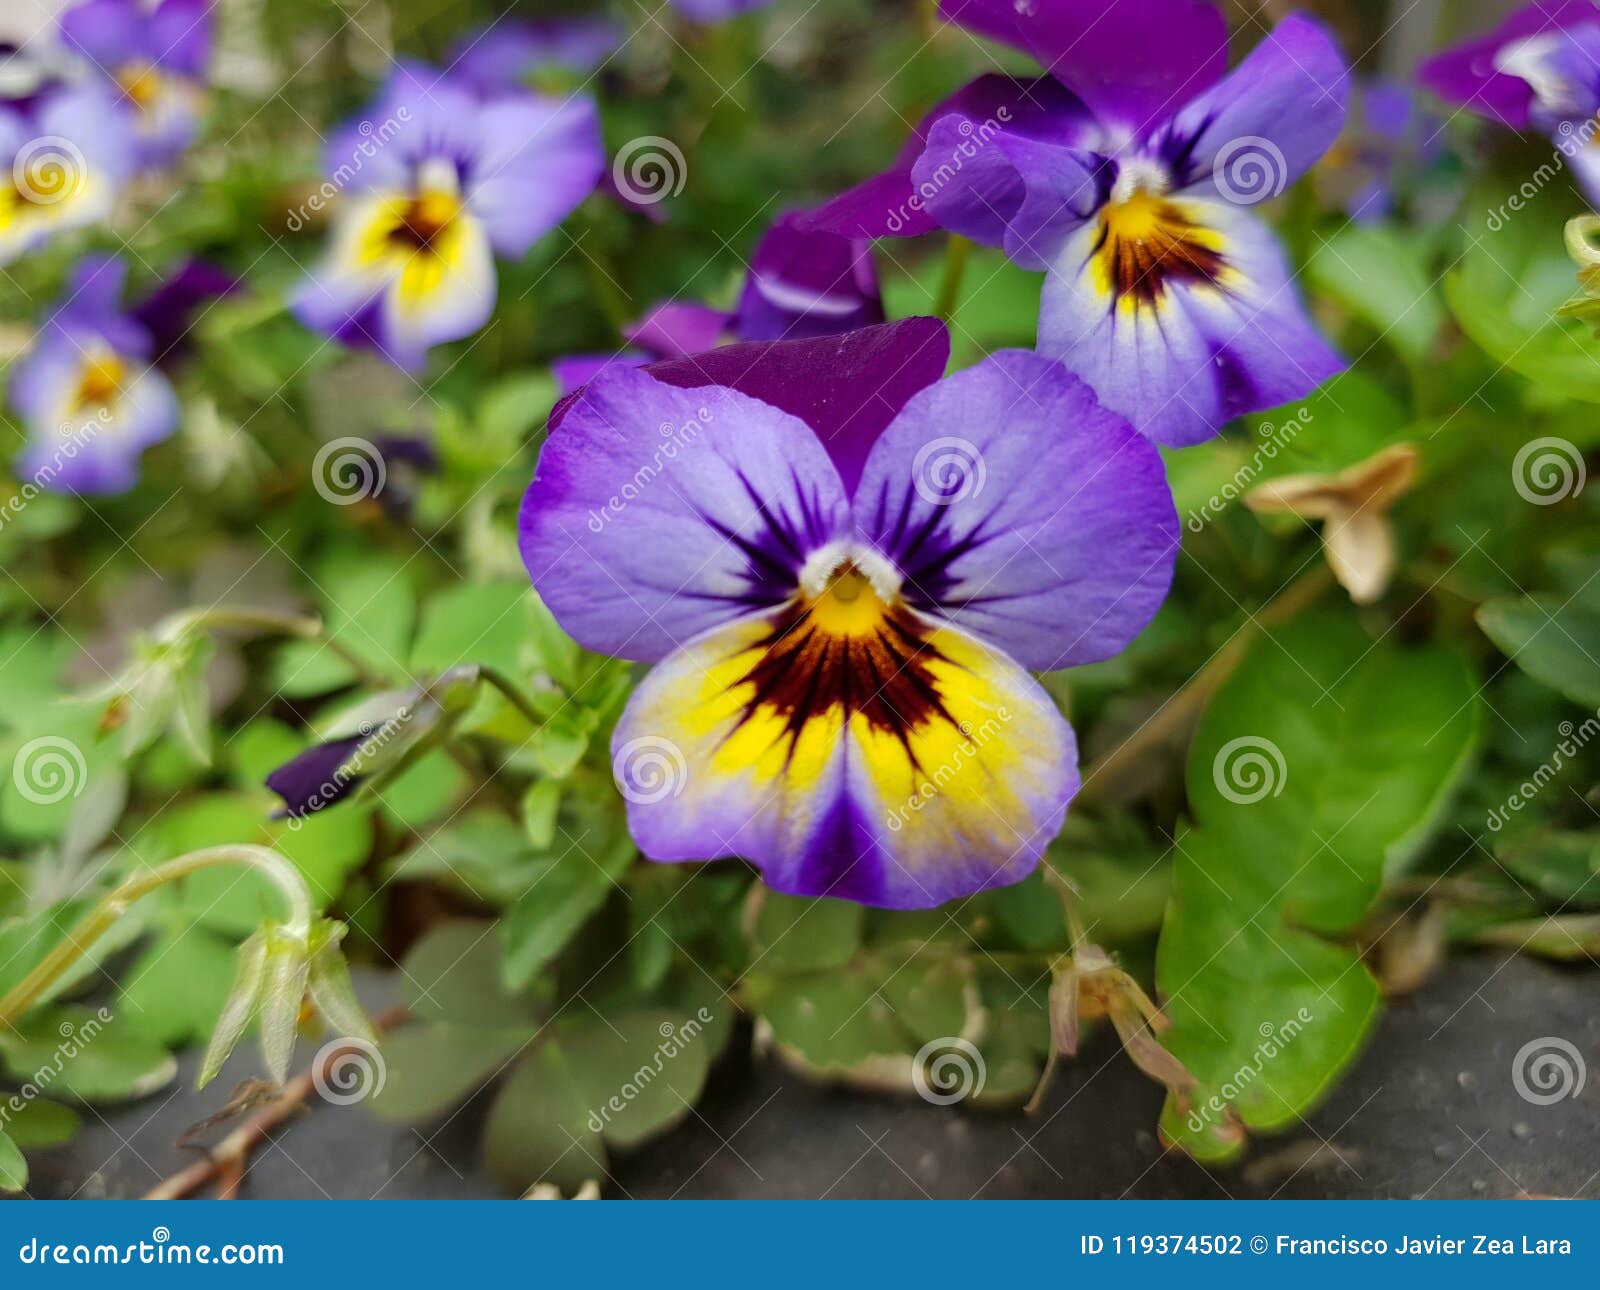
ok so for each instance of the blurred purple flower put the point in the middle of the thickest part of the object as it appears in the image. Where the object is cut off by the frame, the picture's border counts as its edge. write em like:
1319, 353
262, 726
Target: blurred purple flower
87, 392
433, 184
1538, 70
1387, 138
168, 312
510, 55
156, 57
1126, 175
713, 11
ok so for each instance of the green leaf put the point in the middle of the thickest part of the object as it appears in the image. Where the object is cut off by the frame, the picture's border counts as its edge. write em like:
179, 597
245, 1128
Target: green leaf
89, 1056
428, 1069
369, 606
540, 806
569, 889
1564, 866
540, 1127
837, 1019
1381, 275
453, 974
13, 1168
38, 1123
796, 935
1319, 764
644, 1071
472, 623
175, 992
1554, 639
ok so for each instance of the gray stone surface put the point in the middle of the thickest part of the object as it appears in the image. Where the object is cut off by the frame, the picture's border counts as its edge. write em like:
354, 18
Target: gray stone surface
1430, 1110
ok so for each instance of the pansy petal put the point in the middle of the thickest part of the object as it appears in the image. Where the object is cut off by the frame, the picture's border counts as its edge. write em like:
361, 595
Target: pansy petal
658, 512
899, 771
1019, 508
538, 159
847, 388
1267, 123
679, 328
1023, 192
575, 371
178, 36
892, 205
1195, 322
807, 283
313, 780
106, 32
1134, 62
1471, 74
502, 57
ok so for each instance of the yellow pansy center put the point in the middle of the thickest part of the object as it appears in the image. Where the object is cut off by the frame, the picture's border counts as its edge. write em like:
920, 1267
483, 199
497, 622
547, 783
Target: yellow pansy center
426, 217
141, 83
1147, 242
100, 380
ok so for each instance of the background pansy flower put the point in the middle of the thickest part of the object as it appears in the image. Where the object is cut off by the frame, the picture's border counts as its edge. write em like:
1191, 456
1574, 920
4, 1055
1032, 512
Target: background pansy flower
1127, 179
513, 55
1538, 70
801, 283
434, 184
712, 11
62, 164
88, 392
156, 57
842, 607
1388, 136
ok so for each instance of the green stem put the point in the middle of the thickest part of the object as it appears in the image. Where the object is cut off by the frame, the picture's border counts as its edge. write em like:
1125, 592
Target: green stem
226, 618
105, 915
956, 253
513, 695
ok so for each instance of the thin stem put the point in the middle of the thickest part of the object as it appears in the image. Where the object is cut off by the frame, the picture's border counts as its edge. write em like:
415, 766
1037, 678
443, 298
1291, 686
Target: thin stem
1184, 707
956, 253
513, 694
105, 915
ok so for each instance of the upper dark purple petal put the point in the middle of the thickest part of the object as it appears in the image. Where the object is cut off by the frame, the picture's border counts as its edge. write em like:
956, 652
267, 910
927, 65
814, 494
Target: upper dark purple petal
312, 781
504, 56
679, 328
807, 283
847, 388
168, 312
1135, 62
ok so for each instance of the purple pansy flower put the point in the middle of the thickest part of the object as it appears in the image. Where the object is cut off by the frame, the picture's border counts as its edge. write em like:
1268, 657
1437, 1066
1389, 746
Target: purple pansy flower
27, 75
843, 568
801, 283
87, 391
1540, 70
712, 11
66, 159
168, 312
509, 55
1387, 137
156, 56
434, 183
1127, 175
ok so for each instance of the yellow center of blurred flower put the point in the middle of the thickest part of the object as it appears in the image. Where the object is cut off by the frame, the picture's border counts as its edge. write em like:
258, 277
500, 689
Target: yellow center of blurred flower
99, 382
141, 83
